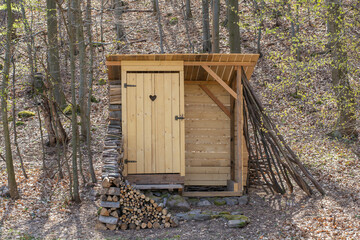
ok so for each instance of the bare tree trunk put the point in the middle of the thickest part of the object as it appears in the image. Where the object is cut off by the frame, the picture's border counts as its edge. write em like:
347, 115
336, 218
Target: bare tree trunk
9, 160
53, 53
120, 32
83, 90
156, 2
72, 6
101, 22
346, 104
206, 39
233, 25
14, 121
215, 26
91, 65
41, 136
188, 14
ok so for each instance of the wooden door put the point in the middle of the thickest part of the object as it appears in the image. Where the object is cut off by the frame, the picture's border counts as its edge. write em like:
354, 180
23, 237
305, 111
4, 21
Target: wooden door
153, 139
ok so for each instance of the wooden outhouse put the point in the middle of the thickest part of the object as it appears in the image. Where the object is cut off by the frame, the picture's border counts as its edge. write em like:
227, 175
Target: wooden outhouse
181, 119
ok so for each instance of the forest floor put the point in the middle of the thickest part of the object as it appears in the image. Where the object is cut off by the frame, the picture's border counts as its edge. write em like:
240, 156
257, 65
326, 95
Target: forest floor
45, 211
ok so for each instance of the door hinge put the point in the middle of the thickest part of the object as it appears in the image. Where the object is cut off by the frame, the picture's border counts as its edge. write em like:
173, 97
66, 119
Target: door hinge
179, 117
128, 85
128, 161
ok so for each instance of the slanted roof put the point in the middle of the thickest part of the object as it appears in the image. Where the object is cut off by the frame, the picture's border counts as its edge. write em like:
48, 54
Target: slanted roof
223, 64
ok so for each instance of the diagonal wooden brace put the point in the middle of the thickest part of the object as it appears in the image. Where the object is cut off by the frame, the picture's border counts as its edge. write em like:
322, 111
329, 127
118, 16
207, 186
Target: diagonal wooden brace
216, 100
220, 81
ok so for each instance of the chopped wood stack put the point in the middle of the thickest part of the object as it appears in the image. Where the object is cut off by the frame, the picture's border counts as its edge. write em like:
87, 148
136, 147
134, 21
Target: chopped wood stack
122, 206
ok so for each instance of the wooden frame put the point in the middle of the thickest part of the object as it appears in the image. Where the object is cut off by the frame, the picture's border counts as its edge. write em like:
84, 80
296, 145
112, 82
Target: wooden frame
206, 72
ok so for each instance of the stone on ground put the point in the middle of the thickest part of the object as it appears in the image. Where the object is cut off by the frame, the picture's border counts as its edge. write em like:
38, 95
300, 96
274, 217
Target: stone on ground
203, 203
219, 202
238, 223
243, 200
178, 203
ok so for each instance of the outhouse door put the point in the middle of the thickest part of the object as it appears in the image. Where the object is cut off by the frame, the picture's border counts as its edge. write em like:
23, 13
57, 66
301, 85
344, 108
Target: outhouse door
153, 132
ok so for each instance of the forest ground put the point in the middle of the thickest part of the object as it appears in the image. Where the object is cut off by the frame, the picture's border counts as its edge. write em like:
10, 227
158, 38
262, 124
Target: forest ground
45, 211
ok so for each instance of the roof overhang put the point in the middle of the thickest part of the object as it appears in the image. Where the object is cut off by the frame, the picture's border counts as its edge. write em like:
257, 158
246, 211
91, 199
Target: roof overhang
223, 64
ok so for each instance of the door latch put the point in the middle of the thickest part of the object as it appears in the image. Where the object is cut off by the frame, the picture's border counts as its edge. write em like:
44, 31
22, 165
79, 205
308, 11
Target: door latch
128, 85
129, 161
181, 117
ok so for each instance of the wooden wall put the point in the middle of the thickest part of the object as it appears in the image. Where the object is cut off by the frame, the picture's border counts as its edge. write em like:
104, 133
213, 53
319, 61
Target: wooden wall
207, 137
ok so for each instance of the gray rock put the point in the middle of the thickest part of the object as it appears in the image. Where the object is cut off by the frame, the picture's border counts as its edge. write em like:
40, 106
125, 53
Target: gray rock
157, 194
202, 217
193, 201
231, 201
195, 211
239, 223
184, 216
164, 201
237, 213
178, 203
203, 203
219, 202
243, 200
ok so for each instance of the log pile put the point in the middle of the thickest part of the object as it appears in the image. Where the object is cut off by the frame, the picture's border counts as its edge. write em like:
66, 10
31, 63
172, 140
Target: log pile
122, 206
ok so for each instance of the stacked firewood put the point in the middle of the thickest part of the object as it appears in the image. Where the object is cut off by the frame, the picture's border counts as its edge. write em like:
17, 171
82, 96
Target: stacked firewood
123, 207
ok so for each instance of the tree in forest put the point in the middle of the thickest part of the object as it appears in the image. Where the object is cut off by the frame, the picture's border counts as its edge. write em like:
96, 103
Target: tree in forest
346, 124
4, 113
233, 26
206, 39
53, 53
120, 31
215, 26
188, 13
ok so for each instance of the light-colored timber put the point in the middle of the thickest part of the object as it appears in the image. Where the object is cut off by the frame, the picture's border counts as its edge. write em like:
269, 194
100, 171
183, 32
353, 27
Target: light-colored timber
181, 120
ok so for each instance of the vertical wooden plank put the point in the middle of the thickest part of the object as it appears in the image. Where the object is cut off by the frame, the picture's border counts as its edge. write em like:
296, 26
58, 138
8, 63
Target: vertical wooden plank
139, 123
148, 90
182, 124
160, 121
131, 122
239, 108
153, 126
168, 122
175, 102
124, 118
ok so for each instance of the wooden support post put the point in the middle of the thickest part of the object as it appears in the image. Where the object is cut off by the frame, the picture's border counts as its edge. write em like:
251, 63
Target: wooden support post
215, 99
220, 81
239, 134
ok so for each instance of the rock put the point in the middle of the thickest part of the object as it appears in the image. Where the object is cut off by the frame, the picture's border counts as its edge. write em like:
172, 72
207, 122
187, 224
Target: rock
243, 200
237, 213
193, 201
26, 114
219, 202
157, 194
178, 203
184, 216
203, 203
100, 226
231, 201
234, 217
202, 217
239, 223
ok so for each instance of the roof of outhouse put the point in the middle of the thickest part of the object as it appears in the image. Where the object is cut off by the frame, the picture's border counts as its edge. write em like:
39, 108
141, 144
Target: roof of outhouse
223, 64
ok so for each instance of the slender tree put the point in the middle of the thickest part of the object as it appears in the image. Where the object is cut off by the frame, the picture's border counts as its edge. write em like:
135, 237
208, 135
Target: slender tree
72, 39
53, 52
120, 31
206, 39
9, 160
215, 26
339, 70
233, 26
91, 76
188, 13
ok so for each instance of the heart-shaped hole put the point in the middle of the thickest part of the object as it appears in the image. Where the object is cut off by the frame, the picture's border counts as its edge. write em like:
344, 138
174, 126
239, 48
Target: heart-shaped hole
152, 97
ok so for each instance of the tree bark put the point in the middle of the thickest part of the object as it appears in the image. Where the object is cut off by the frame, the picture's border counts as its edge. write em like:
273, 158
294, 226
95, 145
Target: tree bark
120, 32
188, 13
206, 39
83, 90
75, 191
9, 160
233, 25
53, 53
215, 26
346, 104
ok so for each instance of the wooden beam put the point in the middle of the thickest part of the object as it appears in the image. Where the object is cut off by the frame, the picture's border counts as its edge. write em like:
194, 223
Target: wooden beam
239, 120
141, 179
220, 81
201, 82
158, 186
245, 64
212, 194
214, 98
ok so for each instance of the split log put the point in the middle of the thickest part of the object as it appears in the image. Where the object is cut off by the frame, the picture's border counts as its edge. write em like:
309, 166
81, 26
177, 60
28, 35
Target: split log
108, 220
